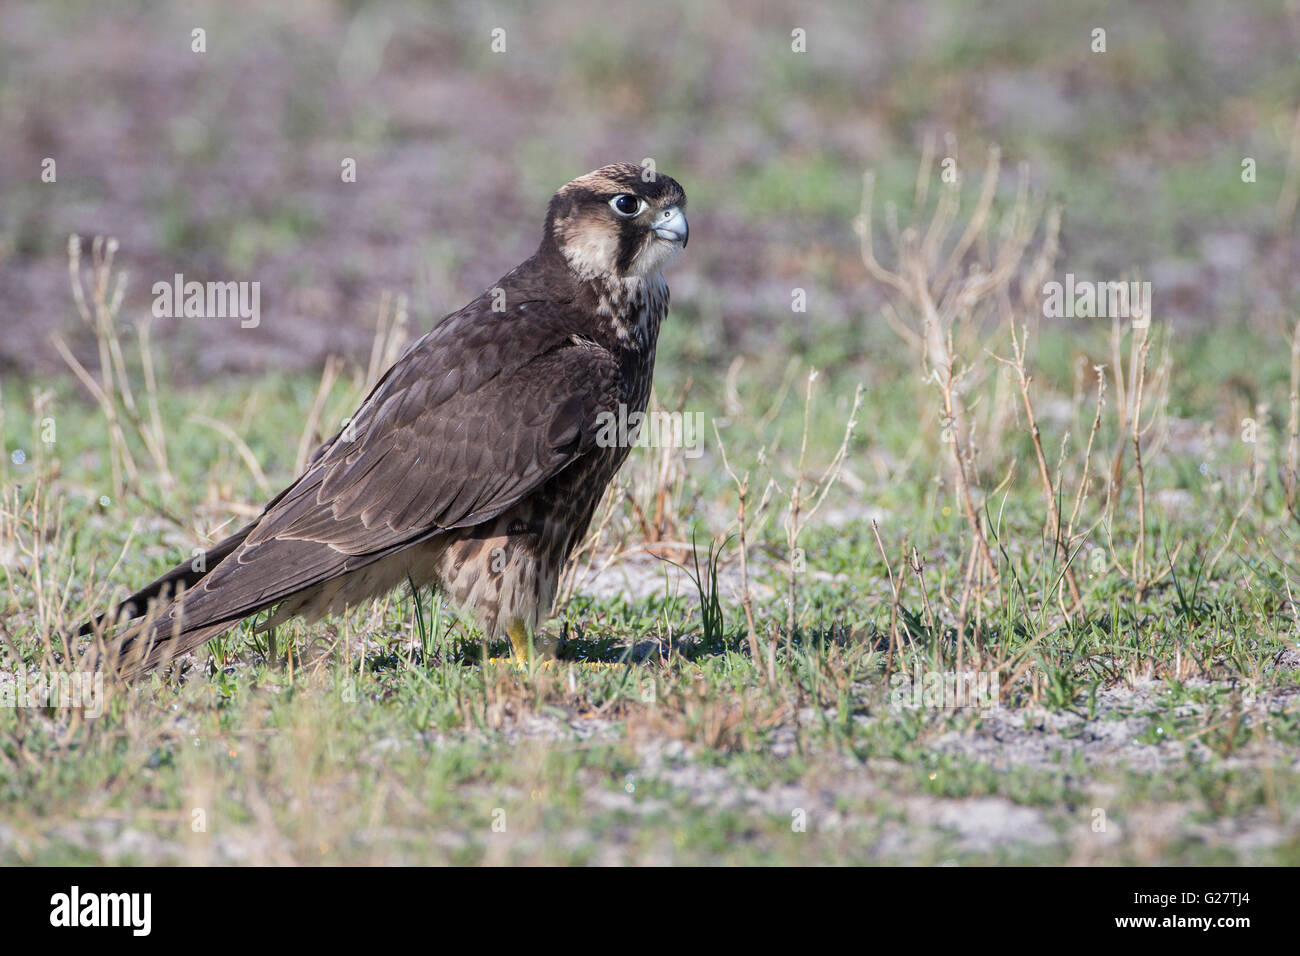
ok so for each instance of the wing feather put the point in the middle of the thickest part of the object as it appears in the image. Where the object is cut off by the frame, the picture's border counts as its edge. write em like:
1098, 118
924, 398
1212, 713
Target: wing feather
438, 448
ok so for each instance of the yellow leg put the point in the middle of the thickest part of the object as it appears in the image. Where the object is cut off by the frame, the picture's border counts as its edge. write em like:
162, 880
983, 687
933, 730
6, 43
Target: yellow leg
542, 645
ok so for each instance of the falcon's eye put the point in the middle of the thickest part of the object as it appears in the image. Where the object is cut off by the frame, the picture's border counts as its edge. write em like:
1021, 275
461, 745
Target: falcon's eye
625, 204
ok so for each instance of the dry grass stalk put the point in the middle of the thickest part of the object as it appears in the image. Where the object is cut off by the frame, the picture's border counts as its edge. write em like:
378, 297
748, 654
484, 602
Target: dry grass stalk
943, 283
796, 517
312, 435
959, 474
1135, 435
894, 602
1085, 479
391, 336
746, 596
1054, 529
113, 392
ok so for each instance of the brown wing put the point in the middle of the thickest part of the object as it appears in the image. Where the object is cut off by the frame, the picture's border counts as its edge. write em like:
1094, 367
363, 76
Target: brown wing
477, 414
428, 455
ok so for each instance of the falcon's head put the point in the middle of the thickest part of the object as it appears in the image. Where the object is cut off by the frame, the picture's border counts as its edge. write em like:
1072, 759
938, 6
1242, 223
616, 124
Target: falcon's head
618, 222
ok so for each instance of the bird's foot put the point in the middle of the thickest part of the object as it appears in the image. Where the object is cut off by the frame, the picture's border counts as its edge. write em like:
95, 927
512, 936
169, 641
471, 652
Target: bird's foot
531, 647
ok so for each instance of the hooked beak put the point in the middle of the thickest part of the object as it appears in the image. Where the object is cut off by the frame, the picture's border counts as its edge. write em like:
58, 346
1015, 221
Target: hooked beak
671, 225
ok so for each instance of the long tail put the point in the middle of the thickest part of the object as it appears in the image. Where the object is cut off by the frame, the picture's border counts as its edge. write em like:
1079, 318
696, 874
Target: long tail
151, 621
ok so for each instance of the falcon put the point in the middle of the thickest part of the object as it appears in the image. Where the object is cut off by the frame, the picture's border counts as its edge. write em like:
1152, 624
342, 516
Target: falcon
477, 461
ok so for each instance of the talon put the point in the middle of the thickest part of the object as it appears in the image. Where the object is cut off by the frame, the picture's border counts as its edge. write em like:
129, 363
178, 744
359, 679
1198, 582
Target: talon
540, 646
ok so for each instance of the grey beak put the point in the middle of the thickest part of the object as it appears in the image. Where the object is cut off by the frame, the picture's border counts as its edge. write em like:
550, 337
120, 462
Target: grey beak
672, 225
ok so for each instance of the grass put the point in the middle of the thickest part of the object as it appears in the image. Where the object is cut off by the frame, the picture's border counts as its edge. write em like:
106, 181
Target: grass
1165, 692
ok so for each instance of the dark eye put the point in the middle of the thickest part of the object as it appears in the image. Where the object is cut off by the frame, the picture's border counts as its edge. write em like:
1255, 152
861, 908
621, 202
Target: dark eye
625, 204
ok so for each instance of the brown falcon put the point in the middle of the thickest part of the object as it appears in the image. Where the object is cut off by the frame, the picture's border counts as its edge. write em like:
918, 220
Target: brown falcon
476, 462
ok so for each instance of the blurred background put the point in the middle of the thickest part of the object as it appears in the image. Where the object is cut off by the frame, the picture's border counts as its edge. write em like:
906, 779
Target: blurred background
225, 165
1103, 513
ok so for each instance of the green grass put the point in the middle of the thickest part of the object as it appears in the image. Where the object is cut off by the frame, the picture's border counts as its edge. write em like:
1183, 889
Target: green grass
388, 738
